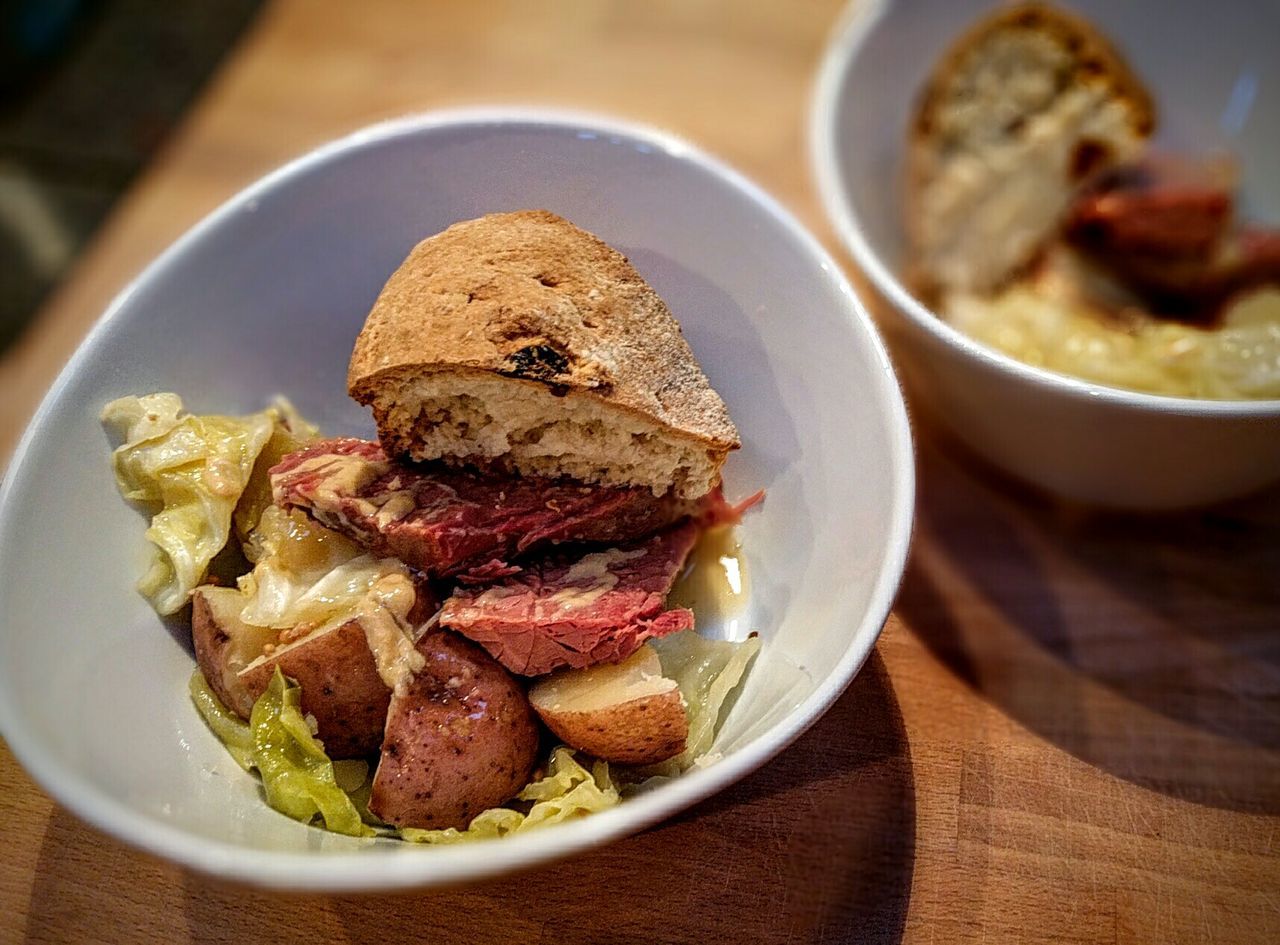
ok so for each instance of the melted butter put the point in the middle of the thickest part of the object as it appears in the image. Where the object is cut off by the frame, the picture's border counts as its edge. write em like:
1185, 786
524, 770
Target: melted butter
714, 582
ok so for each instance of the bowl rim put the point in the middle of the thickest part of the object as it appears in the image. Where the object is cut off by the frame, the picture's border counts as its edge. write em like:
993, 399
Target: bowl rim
409, 867
845, 43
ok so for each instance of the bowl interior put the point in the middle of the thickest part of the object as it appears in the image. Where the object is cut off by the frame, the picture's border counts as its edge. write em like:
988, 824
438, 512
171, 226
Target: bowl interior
267, 296
1211, 67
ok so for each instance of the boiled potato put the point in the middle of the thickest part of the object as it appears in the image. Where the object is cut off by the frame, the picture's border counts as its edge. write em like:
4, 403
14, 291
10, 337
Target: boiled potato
225, 644
459, 740
340, 685
626, 712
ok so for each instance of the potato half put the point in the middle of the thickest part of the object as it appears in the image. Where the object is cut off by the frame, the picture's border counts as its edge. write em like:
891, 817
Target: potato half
624, 712
340, 684
225, 644
459, 740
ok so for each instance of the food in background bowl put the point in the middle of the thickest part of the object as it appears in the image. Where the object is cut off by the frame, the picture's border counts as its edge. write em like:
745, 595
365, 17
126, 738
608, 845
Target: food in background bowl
549, 453
1040, 223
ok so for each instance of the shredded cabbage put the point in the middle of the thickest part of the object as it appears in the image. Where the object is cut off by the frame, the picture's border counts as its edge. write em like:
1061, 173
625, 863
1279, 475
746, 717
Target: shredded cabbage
299, 779
196, 467
355, 778
231, 730
309, 580
707, 672
289, 432
493, 824
568, 791
1040, 324
297, 775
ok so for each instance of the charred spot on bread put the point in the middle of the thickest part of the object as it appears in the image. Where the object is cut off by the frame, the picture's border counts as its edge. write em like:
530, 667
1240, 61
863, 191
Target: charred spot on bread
1030, 18
1089, 155
536, 362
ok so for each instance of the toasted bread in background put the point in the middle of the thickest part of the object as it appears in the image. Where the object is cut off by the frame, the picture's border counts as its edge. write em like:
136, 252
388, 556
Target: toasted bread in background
1018, 112
522, 343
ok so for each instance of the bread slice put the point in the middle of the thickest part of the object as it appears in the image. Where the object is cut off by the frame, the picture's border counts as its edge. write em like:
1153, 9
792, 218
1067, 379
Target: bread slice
1021, 109
520, 342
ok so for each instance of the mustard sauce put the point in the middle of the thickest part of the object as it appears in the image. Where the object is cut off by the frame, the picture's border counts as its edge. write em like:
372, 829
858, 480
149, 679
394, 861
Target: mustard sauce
714, 582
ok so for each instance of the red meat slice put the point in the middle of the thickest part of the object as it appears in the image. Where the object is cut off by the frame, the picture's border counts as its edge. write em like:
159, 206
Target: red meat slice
577, 610
446, 522
714, 510
1164, 229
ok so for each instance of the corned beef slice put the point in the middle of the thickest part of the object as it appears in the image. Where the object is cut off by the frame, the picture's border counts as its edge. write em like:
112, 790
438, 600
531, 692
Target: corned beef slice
577, 610
445, 522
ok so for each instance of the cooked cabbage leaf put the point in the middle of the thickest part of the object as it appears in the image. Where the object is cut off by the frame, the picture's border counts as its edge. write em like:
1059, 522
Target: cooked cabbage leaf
568, 791
306, 573
1041, 324
196, 467
350, 773
231, 730
138, 419
491, 824
355, 778
299, 779
289, 432
706, 671
297, 775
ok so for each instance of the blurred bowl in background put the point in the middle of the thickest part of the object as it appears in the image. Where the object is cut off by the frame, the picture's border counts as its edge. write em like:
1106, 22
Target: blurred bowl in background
1216, 77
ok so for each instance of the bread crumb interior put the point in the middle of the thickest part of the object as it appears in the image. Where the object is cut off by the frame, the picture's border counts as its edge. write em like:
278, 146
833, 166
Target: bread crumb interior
526, 428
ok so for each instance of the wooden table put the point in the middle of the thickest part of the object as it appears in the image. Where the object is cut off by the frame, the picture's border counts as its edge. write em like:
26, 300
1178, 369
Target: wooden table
1070, 730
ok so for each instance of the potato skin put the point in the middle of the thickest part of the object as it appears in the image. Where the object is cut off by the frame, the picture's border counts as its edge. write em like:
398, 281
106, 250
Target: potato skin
214, 623
638, 732
461, 739
340, 687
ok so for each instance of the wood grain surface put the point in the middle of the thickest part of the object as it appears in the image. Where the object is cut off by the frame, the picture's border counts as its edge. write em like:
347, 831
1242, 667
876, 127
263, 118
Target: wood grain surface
1070, 730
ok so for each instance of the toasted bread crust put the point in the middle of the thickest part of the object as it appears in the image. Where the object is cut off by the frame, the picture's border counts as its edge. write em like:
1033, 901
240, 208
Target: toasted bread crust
531, 297
1020, 109
1095, 60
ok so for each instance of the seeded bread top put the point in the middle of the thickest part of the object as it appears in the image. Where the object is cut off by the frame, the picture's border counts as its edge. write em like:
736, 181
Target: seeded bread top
530, 296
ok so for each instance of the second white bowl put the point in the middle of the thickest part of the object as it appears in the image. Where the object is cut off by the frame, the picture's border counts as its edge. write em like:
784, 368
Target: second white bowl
1077, 439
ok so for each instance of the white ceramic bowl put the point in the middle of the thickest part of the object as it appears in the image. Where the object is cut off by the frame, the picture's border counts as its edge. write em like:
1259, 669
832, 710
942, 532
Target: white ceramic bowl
1216, 75
267, 296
